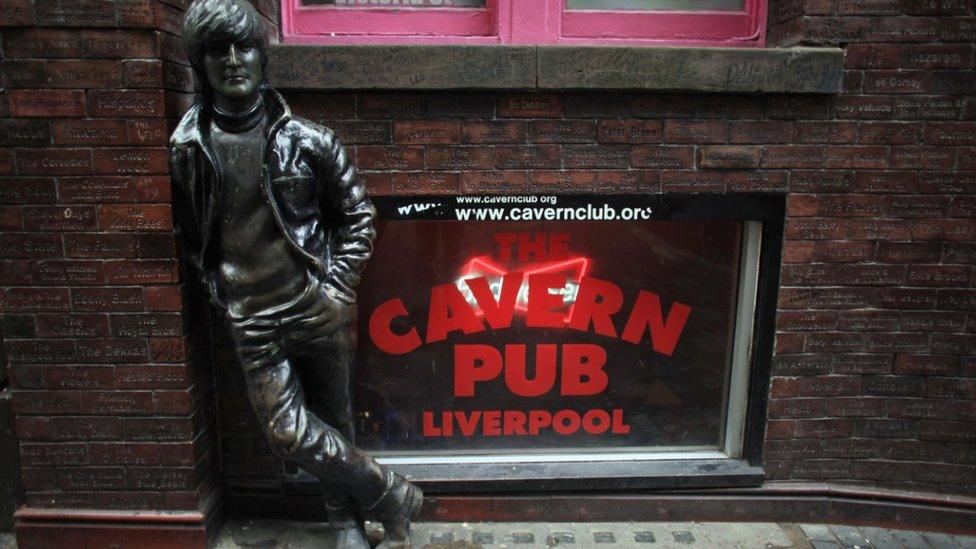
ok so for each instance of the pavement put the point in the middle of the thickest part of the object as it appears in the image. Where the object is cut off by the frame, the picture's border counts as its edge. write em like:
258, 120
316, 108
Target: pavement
646, 535
256, 534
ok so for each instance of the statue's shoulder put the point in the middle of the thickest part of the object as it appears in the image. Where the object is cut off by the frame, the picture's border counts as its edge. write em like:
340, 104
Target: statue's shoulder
188, 129
316, 135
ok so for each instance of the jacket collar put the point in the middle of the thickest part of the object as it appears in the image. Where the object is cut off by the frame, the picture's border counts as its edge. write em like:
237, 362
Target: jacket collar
194, 128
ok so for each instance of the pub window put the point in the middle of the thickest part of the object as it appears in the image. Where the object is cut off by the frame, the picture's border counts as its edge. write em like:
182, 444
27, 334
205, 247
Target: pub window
567, 329
662, 22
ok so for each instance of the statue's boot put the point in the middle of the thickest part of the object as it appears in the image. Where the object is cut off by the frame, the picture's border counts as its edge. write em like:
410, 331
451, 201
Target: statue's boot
399, 503
346, 524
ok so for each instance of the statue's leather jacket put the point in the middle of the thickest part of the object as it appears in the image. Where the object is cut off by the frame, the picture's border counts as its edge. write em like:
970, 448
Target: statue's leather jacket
318, 202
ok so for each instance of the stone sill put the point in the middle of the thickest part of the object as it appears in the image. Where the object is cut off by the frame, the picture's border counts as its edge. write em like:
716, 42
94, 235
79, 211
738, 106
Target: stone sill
667, 69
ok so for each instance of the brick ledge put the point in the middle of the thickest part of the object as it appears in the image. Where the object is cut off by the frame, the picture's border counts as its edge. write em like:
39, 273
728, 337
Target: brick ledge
738, 70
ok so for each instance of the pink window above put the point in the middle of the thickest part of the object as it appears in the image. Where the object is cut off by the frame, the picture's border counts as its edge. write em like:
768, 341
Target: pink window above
607, 22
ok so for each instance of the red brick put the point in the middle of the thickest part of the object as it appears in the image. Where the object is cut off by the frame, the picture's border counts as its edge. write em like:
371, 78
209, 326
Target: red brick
426, 132
15, 13
950, 133
125, 403
107, 299
163, 298
141, 161
391, 105
27, 190
59, 272
83, 73
595, 156
760, 132
89, 132
796, 408
528, 157
630, 131
802, 205
426, 183
792, 156
146, 132
561, 182
372, 157
646, 156
816, 229
897, 82
492, 132
820, 181
844, 251
10, 218
126, 103
701, 180
172, 349
788, 343
922, 158
102, 189
886, 182
45, 103
47, 402
59, 218
31, 245
459, 158
889, 133
938, 365
936, 57
153, 376
941, 321
34, 300
856, 157
562, 131
54, 161
864, 205
135, 217
173, 402
927, 107
630, 181
118, 44
825, 132
872, 56
781, 429
24, 132
867, 321
529, 106
824, 428
797, 252
141, 271
495, 181
865, 107
944, 229
695, 131
728, 156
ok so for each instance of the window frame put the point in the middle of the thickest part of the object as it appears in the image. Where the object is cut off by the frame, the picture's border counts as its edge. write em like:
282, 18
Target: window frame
535, 22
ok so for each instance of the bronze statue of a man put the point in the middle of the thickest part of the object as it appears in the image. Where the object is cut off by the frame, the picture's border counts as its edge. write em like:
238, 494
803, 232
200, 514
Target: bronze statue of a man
278, 227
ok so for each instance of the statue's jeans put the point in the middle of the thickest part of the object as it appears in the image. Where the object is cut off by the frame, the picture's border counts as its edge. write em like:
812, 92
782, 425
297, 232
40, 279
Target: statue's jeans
297, 361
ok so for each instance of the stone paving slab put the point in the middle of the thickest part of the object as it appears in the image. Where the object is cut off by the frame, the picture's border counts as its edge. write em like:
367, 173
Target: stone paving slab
259, 534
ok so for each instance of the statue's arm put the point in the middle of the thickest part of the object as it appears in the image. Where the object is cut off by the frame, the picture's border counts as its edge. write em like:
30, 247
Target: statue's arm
354, 233
181, 169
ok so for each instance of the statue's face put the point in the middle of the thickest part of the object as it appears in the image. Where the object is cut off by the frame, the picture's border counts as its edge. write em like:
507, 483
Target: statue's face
233, 69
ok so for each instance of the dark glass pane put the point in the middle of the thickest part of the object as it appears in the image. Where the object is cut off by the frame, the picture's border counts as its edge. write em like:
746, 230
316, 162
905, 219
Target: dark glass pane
656, 5
661, 400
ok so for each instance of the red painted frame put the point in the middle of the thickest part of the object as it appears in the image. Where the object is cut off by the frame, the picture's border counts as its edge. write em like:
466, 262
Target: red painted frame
533, 22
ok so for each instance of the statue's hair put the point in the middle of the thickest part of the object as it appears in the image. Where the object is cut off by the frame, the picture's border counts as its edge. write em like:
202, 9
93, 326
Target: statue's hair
209, 22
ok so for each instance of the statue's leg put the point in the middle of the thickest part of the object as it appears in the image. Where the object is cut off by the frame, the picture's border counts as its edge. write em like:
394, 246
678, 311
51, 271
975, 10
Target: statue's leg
297, 435
326, 369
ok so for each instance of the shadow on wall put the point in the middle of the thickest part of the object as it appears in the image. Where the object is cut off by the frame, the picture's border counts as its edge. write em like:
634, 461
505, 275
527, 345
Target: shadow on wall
11, 491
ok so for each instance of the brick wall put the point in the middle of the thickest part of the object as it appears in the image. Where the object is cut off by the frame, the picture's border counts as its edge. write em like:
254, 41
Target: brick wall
874, 374
111, 404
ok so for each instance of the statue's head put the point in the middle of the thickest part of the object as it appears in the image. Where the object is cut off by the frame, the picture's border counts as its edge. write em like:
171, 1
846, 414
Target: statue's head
227, 47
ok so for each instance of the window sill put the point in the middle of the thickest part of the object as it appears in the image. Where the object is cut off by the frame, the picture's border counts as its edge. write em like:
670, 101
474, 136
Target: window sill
738, 70
569, 476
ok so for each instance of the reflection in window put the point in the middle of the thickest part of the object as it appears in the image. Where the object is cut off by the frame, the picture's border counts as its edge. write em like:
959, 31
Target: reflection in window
657, 5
